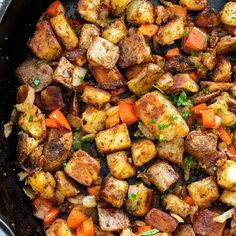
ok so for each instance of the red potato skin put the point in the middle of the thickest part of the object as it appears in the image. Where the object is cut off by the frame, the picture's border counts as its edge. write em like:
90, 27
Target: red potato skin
161, 220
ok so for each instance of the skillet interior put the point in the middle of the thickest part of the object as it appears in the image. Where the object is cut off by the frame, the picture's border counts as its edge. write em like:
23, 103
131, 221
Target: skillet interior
16, 27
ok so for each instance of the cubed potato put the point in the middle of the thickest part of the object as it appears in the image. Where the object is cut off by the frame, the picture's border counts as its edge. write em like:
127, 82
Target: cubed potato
200, 145
111, 219
113, 139
83, 168
140, 12
59, 228
103, 53
228, 198
179, 206
113, 191
115, 32
162, 14
219, 86
208, 18
119, 166
160, 220
226, 177
143, 150
93, 120
227, 14
42, 183
143, 81
194, 5
118, 6
127, 232
139, 199
64, 31
44, 42
162, 175
226, 44
154, 110
205, 224
95, 96
89, 9
204, 192
87, 35
170, 32
222, 71
33, 122
65, 185
133, 50
108, 78
171, 151
184, 230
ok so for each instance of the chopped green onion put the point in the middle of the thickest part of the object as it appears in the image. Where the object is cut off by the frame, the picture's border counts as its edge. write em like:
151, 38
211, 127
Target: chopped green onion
31, 118
133, 197
150, 232
35, 83
163, 125
173, 118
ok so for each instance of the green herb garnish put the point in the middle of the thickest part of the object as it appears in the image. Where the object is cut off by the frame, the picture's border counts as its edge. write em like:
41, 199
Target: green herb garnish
206, 91
170, 190
190, 162
185, 114
150, 232
152, 121
173, 118
35, 83
182, 100
76, 144
31, 118
107, 222
215, 168
204, 54
163, 125
133, 197
161, 138
40, 62
185, 33
64, 164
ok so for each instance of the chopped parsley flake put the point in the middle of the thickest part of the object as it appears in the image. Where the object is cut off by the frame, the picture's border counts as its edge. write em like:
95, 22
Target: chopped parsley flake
163, 125
173, 118
39, 62
107, 222
133, 197
182, 100
161, 138
204, 54
189, 162
185, 114
185, 33
215, 168
64, 164
152, 121
206, 91
150, 232
31, 118
170, 190
35, 83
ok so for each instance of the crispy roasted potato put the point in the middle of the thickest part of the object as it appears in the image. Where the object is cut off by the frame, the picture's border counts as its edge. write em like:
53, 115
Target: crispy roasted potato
118, 6
228, 198
146, 76
201, 145
76, 56
44, 42
64, 31
179, 206
25, 98
65, 185
143, 150
93, 120
203, 192
171, 151
57, 148
111, 219
209, 59
119, 166
154, 110
103, 53
162, 175
165, 81
89, 9
87, 35
170, 32
113, 191
59, 228
194, 5
25, 146
208, 18
205, 224
227, 14
95, 96
226, 44
33, 123
226, 175
219, 86
113, 139
108, 78
133, 50
184, 230
160, 220
139, 199
42, 183
83, 168
163, 14
127, 232
222, 71
115, 32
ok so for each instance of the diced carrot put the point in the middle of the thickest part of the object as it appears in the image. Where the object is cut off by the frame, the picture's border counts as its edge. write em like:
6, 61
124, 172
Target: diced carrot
75, 218
208, 118
112, 120
225, 137
93, 190
148, 29
42, 201
199, 108
79, 231
88, 227
179, 11
172, 52
145, 228
127, 112
188, 200
53, 8
52, 123
119, 91
60, 118
232, 150
196, 40
193, 76
51, 216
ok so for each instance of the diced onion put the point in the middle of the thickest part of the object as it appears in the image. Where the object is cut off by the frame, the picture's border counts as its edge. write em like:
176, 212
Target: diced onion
177, 217
8, 129
225, 216
89, 201
78, 76
59, 197
29, 192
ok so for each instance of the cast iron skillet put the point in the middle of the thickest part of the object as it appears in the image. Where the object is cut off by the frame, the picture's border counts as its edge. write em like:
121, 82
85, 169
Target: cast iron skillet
18, 19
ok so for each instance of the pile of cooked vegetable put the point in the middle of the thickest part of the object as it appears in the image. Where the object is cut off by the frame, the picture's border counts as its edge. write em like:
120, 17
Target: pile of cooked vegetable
125, 117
